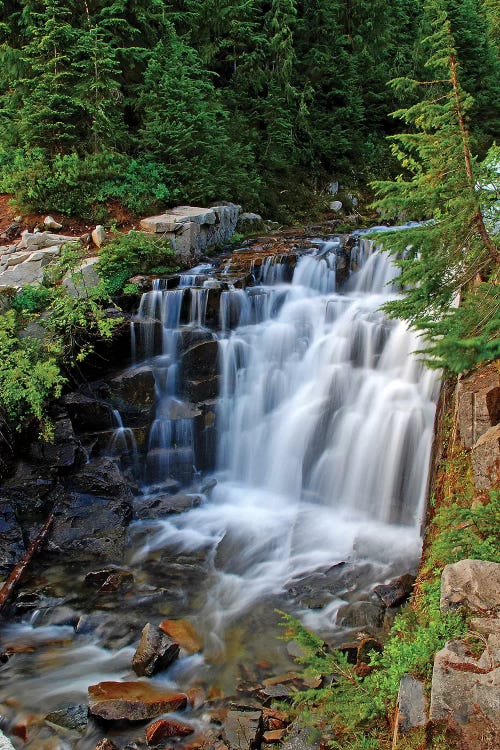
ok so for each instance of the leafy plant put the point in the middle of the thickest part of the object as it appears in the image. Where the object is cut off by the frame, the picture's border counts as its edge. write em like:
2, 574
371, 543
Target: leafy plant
131, 254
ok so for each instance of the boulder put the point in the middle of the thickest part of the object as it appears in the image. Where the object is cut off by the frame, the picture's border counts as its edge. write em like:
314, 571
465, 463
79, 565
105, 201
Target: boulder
199, 363
182, 633
134, 391
486, 459
102, 478
65, 452
50, 223
243, 728
478, 400
462, 685
176, 463
83, 278
249, 223
412, 704
88, 414
134, 701
22, 274
99, 235
163, 728
474, 584
361, 615
397, 591
155, 652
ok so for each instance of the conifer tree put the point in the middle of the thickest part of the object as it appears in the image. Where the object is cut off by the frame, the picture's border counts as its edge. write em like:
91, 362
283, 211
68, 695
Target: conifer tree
442, 185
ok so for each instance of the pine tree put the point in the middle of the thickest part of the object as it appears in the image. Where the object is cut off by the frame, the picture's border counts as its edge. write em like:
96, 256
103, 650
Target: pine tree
442, 258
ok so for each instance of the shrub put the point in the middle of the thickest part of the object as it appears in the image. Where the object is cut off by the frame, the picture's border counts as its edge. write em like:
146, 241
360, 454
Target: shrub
131, 254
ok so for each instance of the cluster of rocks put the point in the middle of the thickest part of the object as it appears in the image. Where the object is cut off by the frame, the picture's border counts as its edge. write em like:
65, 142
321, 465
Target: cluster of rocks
465, 690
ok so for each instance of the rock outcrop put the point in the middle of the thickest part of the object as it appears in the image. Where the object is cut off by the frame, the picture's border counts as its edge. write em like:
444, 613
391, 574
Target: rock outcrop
192, 230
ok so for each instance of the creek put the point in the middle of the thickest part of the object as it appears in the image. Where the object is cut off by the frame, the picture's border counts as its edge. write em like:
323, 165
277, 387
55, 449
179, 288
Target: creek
312, 492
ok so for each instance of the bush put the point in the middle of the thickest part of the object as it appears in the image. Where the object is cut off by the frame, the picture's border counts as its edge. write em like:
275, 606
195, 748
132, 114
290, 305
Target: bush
82, 186
131, 254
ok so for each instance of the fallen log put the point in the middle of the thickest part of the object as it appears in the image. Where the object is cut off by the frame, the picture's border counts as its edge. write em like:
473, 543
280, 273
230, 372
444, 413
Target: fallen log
10, 584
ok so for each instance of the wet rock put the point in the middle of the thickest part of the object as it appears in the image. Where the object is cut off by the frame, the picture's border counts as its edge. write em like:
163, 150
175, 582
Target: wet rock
72, 717
243, 728
156, 651
29, 488
200, 361
87, 526
65, 452
463, 685
163, 728
397, 591
109, 579
361, 615
177, 463
183, 633
164, 505
134, 701
412, 704
474, 584
317, 589
88, 414
110, 631
11, 539
133, 392
102, 478
201, 390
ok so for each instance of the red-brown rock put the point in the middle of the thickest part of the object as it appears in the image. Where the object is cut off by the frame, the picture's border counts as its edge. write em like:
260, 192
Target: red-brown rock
183, 633
135, 701
166, 728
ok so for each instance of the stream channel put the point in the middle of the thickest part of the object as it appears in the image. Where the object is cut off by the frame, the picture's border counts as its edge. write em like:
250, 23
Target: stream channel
312, 493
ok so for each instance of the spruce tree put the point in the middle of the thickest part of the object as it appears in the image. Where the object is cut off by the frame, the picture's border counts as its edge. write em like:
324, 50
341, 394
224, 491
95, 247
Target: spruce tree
441, 259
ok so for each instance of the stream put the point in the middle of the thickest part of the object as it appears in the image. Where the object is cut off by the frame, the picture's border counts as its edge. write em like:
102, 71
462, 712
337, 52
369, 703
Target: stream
323, 421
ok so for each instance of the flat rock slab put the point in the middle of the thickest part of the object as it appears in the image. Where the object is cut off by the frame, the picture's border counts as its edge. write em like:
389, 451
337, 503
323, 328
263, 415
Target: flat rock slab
474, 584
163, 728
183, 633
134, 701
243, 728
168, 222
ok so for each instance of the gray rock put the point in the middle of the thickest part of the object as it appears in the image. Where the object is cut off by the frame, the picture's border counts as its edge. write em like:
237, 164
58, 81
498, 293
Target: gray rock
301, 737
361, 615
155, 652
50, 223
478, 397
462, 685
397, 591
11, 539
412, 704
64, 452
164, 505
249, 223
22, 274
84, 278
99, 235
474, 584
72, 717
5, 743
243, 728
336, 206
39, 240
486, 459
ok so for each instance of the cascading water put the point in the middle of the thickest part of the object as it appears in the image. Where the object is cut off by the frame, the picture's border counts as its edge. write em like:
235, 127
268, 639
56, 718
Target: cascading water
325, 422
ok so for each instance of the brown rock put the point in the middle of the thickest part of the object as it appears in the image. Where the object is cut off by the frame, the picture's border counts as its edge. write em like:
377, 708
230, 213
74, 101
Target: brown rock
486, 459
156, 651
274, 735
166, 728
478, 403
196, 697
135, 701
280, 679
183, 633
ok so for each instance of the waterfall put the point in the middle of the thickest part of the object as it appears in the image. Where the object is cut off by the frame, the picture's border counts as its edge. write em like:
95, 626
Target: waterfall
325, 422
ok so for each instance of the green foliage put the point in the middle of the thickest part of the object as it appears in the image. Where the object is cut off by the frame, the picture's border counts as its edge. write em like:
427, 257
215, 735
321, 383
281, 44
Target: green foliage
447, 187
32, 298
29, 375
131, 254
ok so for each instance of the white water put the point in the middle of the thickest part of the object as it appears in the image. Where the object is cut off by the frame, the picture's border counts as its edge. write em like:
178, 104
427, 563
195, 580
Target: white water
325, 425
